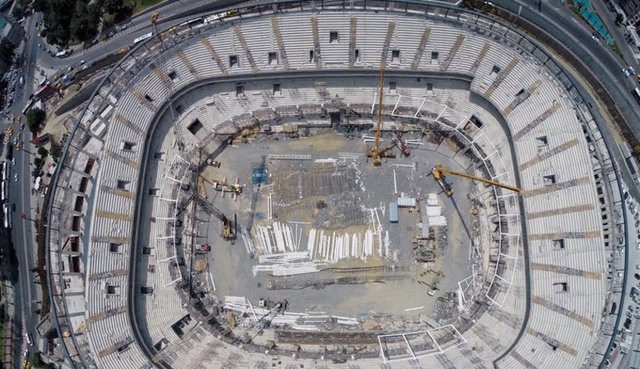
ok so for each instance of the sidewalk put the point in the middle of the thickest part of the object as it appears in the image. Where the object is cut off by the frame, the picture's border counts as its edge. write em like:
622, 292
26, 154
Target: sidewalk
8, 357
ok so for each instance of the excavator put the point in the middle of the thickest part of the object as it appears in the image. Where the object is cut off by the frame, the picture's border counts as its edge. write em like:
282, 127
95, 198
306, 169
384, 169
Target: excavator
154, 18
376, 154
439, 173
228, 225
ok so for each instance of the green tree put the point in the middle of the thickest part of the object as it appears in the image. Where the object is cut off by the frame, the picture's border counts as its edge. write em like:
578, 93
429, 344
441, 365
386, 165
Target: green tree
619, 19
40, 5
56, 150
36, 361
6, 51
38, 163
35, 117
112, 6
43, 152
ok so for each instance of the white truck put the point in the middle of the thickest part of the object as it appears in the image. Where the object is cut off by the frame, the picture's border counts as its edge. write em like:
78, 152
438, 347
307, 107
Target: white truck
63, 53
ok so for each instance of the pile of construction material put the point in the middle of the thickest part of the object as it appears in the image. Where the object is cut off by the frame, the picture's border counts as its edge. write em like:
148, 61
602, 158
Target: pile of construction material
434, 212
333, 246
276, 238
299, 321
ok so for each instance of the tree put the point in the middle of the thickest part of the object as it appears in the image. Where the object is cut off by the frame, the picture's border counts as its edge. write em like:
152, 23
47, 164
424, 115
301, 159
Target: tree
619, 19
40, 5
56, 150
36, 361
38, 163
43, 152
6, 51
35, 117
112, 6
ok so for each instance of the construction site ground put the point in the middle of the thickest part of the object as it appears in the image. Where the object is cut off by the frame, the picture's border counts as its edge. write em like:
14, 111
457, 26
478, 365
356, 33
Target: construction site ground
230, 264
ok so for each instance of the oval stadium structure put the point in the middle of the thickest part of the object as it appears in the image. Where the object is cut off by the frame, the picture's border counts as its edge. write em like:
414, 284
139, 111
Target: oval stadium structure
215, 206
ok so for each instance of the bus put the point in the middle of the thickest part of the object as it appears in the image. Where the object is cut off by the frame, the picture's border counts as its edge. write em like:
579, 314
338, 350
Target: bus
636, 94
7, 216
143, 37
194, 22
27, 107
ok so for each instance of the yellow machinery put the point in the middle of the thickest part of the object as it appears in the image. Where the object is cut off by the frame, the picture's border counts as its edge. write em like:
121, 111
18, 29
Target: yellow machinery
375, 153
223, 186
439, 173
228, 225
154, 21
202, 189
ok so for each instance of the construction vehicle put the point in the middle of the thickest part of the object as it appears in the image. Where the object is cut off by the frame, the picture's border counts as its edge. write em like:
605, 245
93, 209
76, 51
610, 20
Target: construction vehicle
402, 146
376, 154
202, 189
228, 231
264, 321
400, 143
439, 173
223, 186
202, 247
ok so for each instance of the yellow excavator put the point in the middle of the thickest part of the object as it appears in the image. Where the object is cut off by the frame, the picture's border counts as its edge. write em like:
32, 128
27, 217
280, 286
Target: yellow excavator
439, 173
227, 224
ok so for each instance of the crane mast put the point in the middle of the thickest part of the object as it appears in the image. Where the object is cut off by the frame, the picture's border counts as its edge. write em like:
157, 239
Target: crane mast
375, 151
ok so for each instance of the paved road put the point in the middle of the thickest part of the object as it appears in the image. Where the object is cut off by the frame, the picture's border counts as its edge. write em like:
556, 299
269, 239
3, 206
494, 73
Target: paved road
608, 19
20, 195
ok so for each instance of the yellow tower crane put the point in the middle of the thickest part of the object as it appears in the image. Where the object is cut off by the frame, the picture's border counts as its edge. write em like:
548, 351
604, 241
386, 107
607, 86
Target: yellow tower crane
439, 173
376, 154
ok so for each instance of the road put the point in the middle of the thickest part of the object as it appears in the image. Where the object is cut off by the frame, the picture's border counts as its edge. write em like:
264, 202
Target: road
23, 231
608, 19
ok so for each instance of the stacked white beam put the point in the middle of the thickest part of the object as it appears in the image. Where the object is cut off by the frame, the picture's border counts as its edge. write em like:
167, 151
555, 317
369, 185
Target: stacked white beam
432, 200
283, 258
434, 216
275, 239
349, 155
287, 269
248, 243
289, 157
326, 161
332, 247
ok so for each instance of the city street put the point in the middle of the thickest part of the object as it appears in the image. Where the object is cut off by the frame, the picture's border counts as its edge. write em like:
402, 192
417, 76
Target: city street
23, 232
